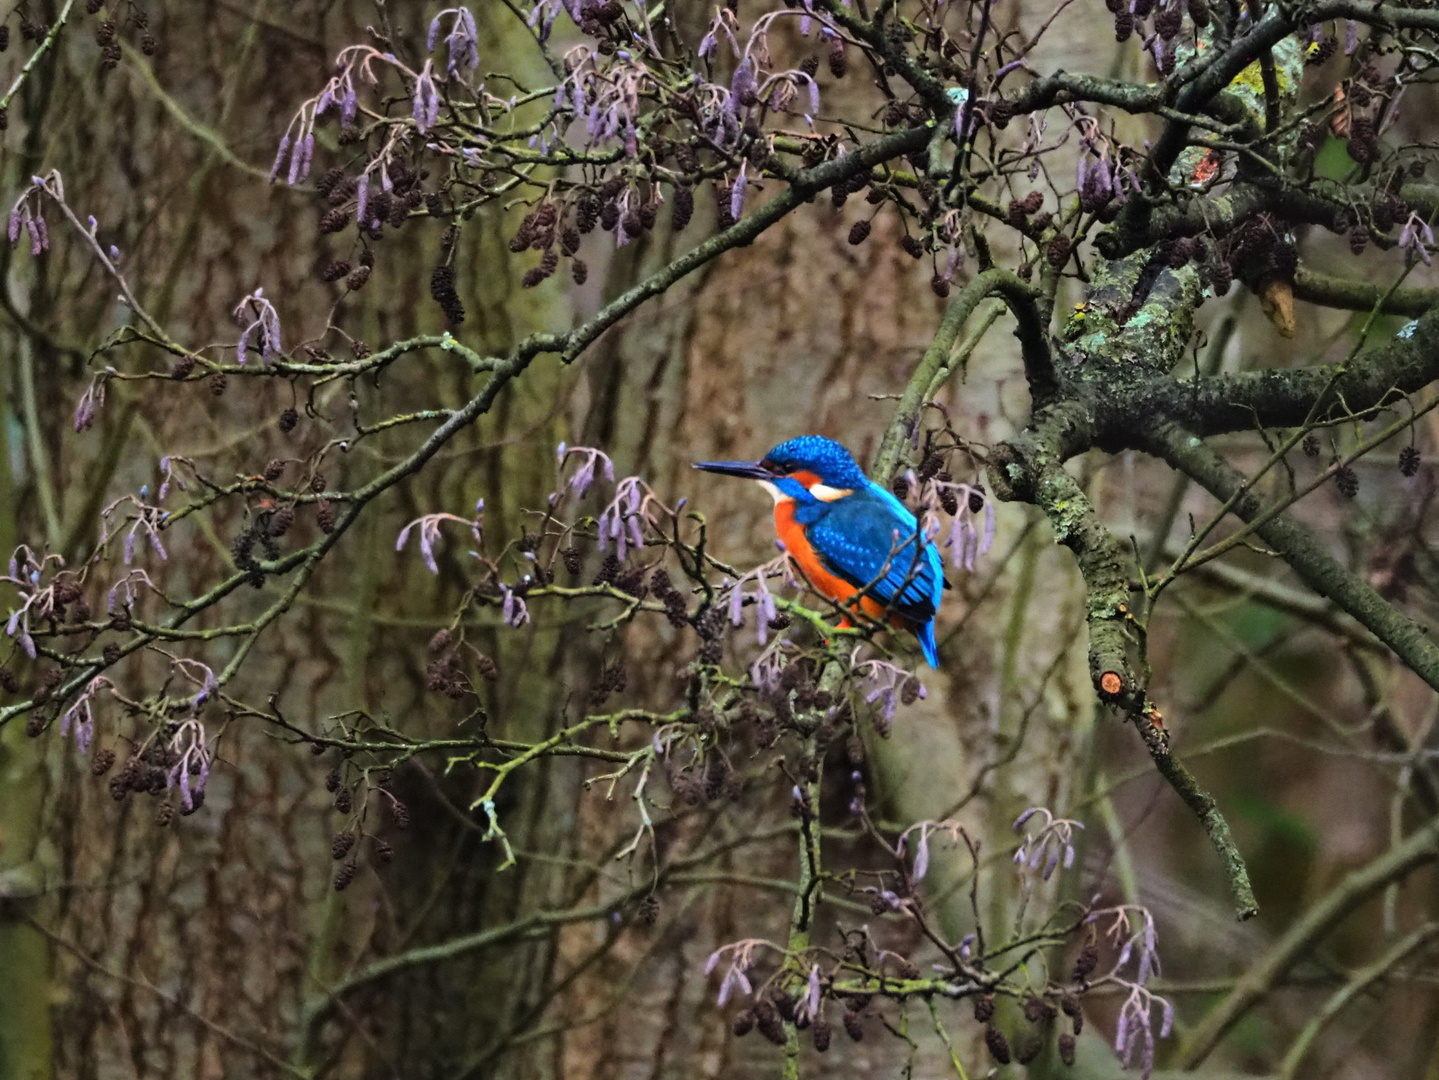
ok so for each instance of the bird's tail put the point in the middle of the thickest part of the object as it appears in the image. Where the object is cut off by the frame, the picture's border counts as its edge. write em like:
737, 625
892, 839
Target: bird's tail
927, 644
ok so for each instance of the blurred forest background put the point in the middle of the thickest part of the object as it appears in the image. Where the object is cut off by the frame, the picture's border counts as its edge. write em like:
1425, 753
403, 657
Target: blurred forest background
215, 944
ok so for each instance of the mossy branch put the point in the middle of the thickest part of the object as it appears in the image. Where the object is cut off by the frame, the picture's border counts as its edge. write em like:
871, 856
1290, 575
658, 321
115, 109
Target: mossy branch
1030, 468
1328, 291
1202, 804
1282, 397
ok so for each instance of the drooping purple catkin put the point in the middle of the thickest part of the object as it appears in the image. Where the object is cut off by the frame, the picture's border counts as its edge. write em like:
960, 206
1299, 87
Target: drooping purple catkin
426, 102
362, 199
743, 84
432, 113
270, 323
280, 157
297, 159
464, 41
309, 156
737, 195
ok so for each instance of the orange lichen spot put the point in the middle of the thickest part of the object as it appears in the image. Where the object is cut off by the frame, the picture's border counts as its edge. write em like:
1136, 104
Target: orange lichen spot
1111, 683
1155, 718
1339, 118
1206, 169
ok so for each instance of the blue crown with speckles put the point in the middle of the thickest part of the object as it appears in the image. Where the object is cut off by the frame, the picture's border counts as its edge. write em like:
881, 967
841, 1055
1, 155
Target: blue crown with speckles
826, 458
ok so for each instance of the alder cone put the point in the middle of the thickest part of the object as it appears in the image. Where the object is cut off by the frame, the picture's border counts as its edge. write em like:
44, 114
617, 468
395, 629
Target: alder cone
684, 209
998, 1045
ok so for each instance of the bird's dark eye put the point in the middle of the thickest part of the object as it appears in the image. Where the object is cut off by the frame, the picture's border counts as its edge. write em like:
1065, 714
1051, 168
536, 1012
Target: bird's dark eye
773, 467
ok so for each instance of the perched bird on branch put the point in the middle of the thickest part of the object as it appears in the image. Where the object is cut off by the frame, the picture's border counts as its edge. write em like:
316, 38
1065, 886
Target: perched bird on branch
855, 543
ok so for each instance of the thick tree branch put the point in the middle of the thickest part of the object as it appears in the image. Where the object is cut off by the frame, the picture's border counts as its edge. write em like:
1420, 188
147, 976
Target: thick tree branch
1328, 291
1191, 214
1386, 16
1218, 216
1063, 87
1284, 397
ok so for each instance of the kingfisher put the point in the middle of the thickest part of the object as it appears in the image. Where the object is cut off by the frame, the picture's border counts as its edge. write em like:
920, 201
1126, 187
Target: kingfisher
853, 541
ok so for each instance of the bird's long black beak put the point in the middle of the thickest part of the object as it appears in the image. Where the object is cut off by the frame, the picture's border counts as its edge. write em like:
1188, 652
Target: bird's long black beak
746, 470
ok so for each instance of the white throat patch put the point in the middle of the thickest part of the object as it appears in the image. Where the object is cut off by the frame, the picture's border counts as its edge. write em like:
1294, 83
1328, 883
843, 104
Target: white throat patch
775, 493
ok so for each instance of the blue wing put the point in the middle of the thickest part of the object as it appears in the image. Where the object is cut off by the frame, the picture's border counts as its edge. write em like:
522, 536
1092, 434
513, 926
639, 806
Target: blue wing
868, 539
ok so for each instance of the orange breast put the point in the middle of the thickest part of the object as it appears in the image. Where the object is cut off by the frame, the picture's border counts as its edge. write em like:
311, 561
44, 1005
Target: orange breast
791, 534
